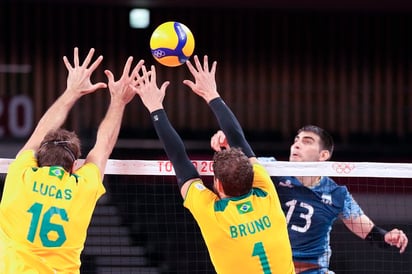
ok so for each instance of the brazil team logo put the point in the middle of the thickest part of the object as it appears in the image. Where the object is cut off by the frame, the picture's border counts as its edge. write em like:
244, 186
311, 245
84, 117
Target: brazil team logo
56, 171
244, 207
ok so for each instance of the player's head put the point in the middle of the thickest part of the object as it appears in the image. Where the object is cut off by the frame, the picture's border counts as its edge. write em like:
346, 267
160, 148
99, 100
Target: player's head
234, 171
311, 143
59, 148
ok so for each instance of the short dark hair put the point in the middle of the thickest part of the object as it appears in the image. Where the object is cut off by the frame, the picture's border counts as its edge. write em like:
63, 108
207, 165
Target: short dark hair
59, 147
233, 168
326, 140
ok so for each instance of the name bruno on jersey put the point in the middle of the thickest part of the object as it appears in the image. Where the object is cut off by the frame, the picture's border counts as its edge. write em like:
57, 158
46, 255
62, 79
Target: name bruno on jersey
250, 228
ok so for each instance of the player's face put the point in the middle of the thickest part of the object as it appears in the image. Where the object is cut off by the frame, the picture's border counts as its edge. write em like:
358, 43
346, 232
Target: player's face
306, 148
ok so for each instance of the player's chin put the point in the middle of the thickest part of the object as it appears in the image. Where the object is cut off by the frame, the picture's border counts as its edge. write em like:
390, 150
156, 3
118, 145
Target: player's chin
295, 158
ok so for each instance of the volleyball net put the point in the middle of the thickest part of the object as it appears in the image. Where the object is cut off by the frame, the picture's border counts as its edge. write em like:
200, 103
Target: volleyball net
141, 226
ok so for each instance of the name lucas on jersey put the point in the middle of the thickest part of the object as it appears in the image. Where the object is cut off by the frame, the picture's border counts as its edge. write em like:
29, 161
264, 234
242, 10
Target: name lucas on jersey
250, 228
52, 191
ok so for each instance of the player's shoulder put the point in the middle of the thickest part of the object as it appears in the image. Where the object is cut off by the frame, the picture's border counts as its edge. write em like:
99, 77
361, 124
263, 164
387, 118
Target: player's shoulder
24, 159
87, 169
330, 181
24, 154
330, 184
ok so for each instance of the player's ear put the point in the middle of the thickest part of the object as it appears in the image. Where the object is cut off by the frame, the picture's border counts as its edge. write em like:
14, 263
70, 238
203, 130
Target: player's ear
219, 187
324, 155
74, 166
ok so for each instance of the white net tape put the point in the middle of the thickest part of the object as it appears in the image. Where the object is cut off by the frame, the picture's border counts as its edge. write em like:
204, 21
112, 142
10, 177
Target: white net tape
277, 168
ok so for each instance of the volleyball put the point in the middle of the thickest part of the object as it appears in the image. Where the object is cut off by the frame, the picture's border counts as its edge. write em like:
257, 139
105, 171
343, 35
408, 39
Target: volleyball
172, 43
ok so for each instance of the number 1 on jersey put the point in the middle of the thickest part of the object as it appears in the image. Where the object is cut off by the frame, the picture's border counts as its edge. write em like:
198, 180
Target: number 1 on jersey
259, 250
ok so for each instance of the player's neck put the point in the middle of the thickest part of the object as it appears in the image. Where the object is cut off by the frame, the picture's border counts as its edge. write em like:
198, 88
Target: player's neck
309, 181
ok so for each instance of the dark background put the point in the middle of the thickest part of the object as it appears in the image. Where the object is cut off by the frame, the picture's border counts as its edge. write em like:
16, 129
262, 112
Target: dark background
281, 64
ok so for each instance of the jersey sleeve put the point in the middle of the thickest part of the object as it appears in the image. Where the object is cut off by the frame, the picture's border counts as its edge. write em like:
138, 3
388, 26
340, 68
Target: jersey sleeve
351, 208
18, 168
262, 179
202, 202
24, 160
94, 181
198, 195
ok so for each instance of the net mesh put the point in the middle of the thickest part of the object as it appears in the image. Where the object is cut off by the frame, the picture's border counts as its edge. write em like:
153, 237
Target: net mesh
141, 226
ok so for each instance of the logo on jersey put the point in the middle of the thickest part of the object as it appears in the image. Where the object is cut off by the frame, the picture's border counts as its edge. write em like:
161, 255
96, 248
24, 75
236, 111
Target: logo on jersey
56, 171
288, 183
244, 208
327, 199
200, 186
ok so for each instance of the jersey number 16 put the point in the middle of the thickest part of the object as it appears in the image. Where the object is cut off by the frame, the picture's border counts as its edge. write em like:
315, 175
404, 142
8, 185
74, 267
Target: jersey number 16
47, 228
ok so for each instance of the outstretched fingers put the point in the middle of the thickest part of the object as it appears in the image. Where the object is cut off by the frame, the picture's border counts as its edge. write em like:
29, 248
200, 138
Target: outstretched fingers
205, 63
67, 63
191, 68
126, 68
109, 75
88, 58
76, 56
153, 74
197, 63
152, 96
75, 60
78, 79
137, 68
96, 63
213, 69
142, 81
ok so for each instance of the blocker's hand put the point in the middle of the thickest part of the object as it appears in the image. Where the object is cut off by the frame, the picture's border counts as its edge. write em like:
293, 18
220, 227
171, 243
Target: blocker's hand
204, 84
152, 96
122, 89
78, 80
219, 141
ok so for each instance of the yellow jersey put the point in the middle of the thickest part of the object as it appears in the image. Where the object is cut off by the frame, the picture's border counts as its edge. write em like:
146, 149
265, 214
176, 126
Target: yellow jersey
246, 234
44, 216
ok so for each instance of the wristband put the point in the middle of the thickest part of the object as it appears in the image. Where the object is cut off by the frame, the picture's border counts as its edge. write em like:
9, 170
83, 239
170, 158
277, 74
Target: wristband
377, 236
